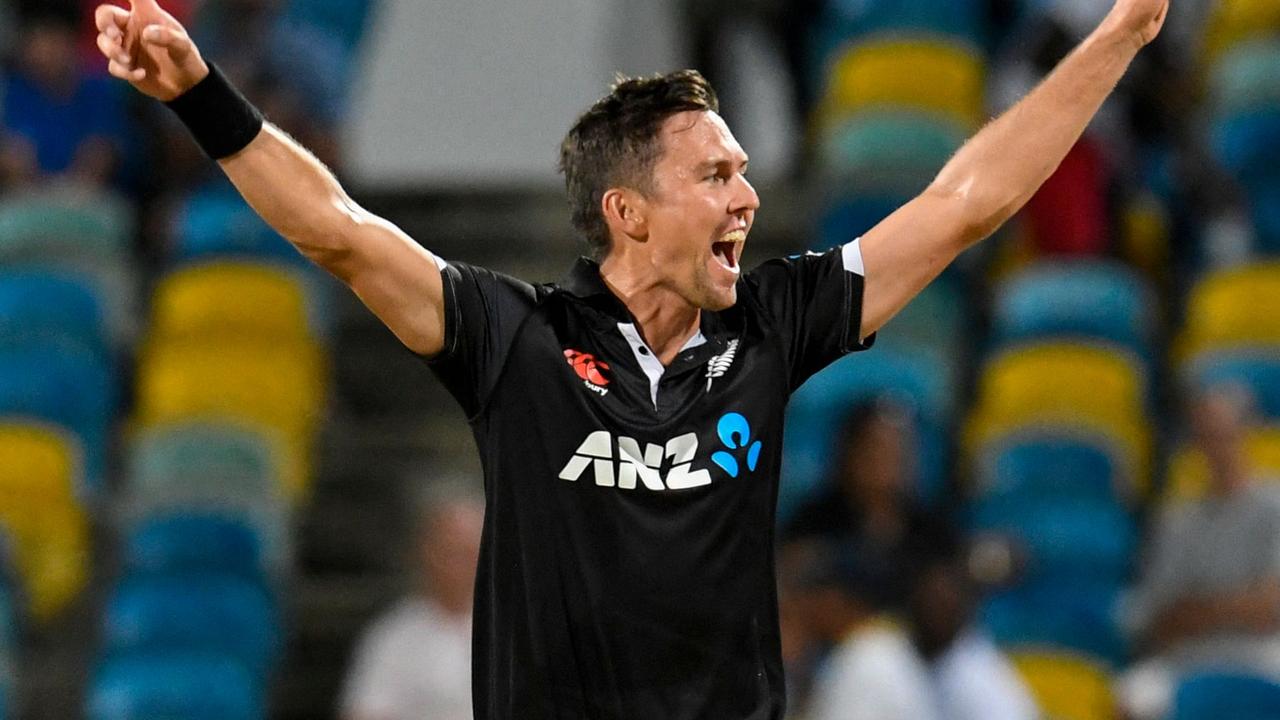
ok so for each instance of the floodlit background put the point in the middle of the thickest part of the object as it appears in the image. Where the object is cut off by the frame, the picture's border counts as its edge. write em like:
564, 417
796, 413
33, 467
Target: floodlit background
227, 492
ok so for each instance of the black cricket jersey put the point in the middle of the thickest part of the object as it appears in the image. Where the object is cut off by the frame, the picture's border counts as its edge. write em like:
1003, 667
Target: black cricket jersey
626, 568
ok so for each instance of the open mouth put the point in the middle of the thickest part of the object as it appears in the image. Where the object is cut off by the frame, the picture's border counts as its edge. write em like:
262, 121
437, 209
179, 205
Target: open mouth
728, 249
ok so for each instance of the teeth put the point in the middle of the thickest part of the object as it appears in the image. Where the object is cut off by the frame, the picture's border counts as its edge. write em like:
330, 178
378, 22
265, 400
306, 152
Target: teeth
734, 236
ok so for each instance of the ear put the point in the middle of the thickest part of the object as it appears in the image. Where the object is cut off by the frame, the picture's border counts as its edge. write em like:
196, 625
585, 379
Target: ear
625, 211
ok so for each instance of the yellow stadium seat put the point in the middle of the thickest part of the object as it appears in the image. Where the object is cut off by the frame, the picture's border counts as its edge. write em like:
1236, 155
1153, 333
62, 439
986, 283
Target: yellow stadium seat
1234, 21
1055, 378
1232, 308
40, 464
1064, 385
230, 298
278, 387
51, 551
1189, 470
1067, 687
920, 75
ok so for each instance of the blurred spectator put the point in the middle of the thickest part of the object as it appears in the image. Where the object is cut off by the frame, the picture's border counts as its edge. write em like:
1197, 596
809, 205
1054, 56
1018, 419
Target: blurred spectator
58, 120
971, 678
872, 671
415, 661
870, 502
1211, 593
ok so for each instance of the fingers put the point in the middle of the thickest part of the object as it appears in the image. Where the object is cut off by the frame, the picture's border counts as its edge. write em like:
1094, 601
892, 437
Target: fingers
113, 49
177, 42
125, 72
110, 17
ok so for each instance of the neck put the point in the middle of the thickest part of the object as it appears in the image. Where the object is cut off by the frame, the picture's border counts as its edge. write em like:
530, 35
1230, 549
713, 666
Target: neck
665, 320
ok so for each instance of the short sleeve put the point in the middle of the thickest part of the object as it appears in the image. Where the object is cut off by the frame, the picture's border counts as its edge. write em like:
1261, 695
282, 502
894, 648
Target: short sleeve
814, 301
483, 311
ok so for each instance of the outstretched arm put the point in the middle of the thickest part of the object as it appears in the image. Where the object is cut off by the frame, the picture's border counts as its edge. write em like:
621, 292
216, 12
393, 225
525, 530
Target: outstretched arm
394, 276
999, 169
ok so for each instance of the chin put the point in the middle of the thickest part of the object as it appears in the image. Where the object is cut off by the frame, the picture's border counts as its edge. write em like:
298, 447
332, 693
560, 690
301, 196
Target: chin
717, 301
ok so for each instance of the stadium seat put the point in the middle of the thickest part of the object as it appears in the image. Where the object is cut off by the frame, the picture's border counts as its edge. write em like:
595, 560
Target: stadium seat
42, 465
1264, 206
1079, 618
852, 215
946, 79
1067, 466
1067, 686
73, 390
50, 308
1078, 300
1257, 369
921, 380
280, 387
215, 222
1233, 307
230, 299
196, 612
963, 21
908, 146
1247, 145
1068, 542
345, 20
1189, 470
934, 321
193, 541
1219, 695
225, 459
36, 225
1246, 78
51, 555
162, 685
1237, 21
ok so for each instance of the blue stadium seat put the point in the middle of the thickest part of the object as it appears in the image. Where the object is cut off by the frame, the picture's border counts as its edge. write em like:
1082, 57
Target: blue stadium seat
1083, 299
1248, 145
1258, 370
221, 459
214, 613
1264, 203
909, 147
345, 20
72, 389
1076, 617
1077, 541
1216, 696
1246, 77
179, 542
216, 221
1043, 465
49, 307
921, 380
174, 684
852, 216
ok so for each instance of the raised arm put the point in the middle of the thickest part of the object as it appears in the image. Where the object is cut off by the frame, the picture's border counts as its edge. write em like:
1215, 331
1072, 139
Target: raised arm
999, 169
394, 276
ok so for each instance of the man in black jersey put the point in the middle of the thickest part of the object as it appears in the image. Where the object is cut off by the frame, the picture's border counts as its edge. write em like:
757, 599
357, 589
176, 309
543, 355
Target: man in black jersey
629, 418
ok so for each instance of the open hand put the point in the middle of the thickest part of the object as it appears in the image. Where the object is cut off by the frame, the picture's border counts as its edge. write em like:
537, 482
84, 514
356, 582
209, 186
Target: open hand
148, 47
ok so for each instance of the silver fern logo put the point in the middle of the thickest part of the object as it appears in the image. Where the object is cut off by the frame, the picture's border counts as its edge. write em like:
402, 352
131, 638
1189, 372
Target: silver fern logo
718, 365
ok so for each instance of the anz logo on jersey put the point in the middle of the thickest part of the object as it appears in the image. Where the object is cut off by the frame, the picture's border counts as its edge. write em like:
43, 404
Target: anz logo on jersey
620, 461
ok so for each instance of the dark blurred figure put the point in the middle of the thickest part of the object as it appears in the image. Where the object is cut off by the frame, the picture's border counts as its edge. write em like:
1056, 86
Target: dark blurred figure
1210, 594
415, 661
868, 668
870, 504
59, 122
971, 678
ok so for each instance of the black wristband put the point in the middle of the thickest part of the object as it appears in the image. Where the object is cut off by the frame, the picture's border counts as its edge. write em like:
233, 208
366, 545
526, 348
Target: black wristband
220, 119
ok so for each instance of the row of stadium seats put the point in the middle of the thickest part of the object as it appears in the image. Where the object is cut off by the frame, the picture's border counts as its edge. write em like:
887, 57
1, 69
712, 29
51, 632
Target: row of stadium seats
230, 387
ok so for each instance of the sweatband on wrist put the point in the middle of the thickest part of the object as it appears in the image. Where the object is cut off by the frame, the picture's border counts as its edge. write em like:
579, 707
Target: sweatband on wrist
220, 119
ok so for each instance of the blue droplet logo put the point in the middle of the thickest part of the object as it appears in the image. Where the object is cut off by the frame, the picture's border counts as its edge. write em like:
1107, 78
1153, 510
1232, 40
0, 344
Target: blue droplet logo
735, 433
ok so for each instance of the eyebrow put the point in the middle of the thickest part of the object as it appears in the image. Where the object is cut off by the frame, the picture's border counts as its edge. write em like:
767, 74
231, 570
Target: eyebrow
717, 162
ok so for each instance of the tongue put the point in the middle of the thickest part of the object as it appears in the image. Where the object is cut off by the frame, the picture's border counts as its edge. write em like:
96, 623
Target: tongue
724, 252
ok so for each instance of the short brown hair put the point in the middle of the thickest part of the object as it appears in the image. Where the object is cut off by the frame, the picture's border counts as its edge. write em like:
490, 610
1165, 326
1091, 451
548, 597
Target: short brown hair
616, 142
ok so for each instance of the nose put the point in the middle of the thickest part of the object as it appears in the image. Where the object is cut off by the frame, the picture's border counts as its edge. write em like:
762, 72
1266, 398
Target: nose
744, 197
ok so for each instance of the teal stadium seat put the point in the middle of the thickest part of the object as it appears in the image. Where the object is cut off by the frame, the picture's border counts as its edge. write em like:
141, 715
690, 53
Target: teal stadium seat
1081, 300
1246, 78
1068, 468
1248, 146
1078, 618
1256, 369
890, 149
843, 21
216, 222
50, 307
170, 684
220, 459
177, 542
1221, 695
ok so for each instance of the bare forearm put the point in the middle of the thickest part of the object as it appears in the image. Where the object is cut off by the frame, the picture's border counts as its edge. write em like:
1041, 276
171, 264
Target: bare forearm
1001, 167
294, 193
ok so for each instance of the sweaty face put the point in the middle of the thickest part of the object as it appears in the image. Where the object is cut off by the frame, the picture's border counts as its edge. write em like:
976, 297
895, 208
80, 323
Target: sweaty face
700, 210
